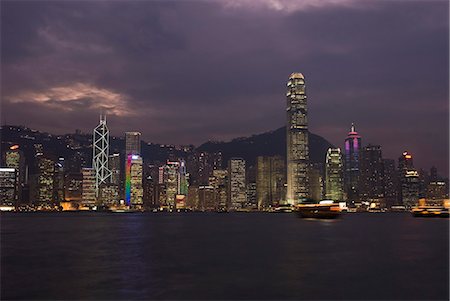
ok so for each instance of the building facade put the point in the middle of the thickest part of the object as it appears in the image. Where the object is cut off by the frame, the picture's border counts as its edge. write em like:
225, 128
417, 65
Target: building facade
237, 191
352, 158
334, 175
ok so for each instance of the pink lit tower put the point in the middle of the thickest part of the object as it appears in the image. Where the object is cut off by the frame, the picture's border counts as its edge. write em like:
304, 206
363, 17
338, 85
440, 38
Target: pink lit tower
352, 154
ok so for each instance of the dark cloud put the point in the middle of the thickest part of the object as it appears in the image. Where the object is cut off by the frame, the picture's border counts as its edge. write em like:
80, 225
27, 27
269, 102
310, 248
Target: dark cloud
189, 71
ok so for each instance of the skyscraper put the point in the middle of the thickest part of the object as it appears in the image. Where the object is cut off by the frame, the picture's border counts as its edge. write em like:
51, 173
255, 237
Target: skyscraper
409, 180
133, 181
236, 184
132, 143
270, 180
297, 140
390, 182
14, 158
7, 187
371, 175
100, 154
45, 180
88, 187
352, 154
334, 175
114, 167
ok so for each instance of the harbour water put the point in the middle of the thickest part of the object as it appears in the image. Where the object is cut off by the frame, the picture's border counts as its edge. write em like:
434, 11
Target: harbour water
223, 256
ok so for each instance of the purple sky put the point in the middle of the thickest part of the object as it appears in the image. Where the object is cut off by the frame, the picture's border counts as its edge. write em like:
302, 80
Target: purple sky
190, 71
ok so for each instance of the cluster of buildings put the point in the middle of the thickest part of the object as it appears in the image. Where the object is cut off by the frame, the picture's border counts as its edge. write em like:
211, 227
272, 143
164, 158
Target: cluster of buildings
357, 174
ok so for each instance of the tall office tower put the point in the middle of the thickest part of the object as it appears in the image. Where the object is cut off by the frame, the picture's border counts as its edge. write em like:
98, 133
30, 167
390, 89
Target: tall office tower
270, 181
132, 143
14, 158
133, 181
8, 187
170, 176
88, 198
334, 175
351, 173
45, 181
316, 181
390, 182
59, 193
252, 202
100, 154
182, 178
219, 181
409, 180
371, 175
297, 140
206, 198
114, 167
73, 187
236, 184
192, 201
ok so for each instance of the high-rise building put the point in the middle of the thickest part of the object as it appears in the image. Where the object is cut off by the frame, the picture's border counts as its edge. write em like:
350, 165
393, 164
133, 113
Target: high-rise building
100, 154
409, 180
89, 198
334, 175
182, 178
371, 175
207, 201
59, 194
45, 181
270, 181
132, 143
297, 140
8, 187
14, 158
316, 181
114, 167
133, 181
352, 154
219, 181
390, 182
236, 184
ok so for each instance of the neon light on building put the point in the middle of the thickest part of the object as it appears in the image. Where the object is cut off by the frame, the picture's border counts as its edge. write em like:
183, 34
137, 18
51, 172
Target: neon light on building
128, 180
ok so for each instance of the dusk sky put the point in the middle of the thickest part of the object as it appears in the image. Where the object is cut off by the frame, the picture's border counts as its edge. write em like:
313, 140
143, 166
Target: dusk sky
186, 72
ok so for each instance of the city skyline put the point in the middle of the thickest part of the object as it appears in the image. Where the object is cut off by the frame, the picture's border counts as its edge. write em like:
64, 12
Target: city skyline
397, 101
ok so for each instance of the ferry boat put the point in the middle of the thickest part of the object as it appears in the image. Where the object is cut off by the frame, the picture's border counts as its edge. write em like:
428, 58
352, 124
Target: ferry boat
430, 211
325, 209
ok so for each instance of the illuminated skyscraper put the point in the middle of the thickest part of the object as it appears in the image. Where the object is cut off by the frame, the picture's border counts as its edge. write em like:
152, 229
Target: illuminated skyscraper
270, 180
132, 143
236, 184
133, 181
409, 180
88, 187
100, 154
219, 181
114, 167
334, 175
297, 140
390, 179
352, 154
7, 187
45, 180
371, 175
14, 158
